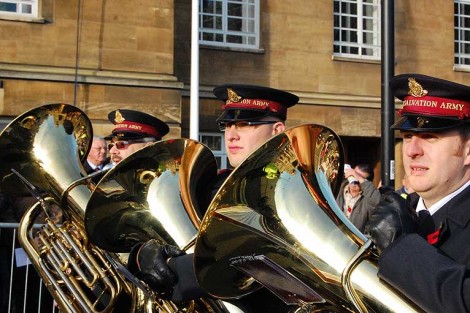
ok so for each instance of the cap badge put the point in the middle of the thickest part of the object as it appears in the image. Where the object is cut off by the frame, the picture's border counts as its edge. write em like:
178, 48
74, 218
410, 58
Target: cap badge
118, 118
416, 90
232, 95
421, 121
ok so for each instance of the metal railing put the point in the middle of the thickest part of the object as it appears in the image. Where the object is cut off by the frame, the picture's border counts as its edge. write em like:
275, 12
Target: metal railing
21, 288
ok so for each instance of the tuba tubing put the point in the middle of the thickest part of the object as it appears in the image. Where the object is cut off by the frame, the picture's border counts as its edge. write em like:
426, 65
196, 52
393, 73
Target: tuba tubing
45, 147
58, 263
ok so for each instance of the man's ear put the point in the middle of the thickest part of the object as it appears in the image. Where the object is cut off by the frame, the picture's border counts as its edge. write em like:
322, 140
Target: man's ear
278, 128
466, 151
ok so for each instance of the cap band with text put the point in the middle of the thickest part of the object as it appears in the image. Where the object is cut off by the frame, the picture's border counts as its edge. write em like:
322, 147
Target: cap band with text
435, 106
136, 127
257, 104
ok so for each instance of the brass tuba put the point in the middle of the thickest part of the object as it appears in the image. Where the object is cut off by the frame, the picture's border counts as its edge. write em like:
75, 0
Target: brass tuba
275, 223
44, 148
155, 193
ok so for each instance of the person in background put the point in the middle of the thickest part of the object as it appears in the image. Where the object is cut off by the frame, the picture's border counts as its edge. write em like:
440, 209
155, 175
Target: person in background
132, 131
406, 189
423, 240
97, 156
251, 115
358, 196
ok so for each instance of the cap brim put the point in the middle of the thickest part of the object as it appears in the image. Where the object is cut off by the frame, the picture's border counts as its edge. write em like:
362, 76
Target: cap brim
425, 124
231, 115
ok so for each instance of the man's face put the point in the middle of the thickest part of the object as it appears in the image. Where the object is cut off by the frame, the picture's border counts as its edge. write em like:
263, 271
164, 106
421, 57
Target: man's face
241, 140
436, 163
354, 188
121, 149
98, 152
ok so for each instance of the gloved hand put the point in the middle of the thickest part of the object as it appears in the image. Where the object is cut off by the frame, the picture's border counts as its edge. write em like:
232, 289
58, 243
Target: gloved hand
390, 220
148, 262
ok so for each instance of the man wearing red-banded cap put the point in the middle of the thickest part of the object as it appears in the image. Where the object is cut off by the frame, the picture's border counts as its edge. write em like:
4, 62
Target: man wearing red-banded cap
424, 242
251, 115
132, 131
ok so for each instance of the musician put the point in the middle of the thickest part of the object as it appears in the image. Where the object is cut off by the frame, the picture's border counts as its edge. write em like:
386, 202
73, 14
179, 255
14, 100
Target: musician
425, 252
251, 115
132, 131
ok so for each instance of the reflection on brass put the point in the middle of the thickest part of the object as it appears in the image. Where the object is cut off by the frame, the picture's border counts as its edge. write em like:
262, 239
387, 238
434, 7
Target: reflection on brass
146, 177
28, 122
286, 160
328, 155
173, 165
271, 171
288, 225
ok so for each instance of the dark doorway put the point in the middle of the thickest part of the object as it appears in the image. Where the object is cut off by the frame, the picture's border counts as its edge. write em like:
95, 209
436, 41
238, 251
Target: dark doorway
363, 150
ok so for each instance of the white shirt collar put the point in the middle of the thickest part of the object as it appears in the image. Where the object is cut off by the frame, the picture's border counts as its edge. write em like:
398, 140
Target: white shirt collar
439, 204
93, 166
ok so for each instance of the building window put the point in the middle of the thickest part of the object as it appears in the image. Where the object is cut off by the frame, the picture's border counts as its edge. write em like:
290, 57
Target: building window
215, 142
229, 23
357, 29
28, 8
462, 33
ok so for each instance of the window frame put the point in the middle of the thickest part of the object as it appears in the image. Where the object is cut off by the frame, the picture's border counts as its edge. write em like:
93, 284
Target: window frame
34, 4
360, 29
461, 59
225, 32
222, 153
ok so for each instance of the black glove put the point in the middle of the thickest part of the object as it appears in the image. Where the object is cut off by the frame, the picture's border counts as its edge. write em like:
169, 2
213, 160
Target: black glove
390, 220
148, 262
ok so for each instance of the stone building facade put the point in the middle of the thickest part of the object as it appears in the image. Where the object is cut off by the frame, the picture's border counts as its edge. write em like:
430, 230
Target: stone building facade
103, 55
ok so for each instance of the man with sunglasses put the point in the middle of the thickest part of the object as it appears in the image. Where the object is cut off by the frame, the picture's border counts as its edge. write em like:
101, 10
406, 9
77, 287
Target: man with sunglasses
132, 131
251, 115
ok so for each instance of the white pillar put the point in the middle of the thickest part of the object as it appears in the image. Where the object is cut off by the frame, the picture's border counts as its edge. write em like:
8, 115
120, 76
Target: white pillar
194, 84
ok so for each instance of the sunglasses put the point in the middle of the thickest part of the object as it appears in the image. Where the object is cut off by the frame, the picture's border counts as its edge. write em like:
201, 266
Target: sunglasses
122, 145
241, 125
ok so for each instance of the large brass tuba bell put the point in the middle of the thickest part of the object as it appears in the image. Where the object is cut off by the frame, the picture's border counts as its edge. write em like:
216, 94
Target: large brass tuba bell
275, 223
155, 193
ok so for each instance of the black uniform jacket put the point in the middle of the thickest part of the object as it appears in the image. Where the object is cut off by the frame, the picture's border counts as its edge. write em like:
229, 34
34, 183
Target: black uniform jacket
88, 168
437, 278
